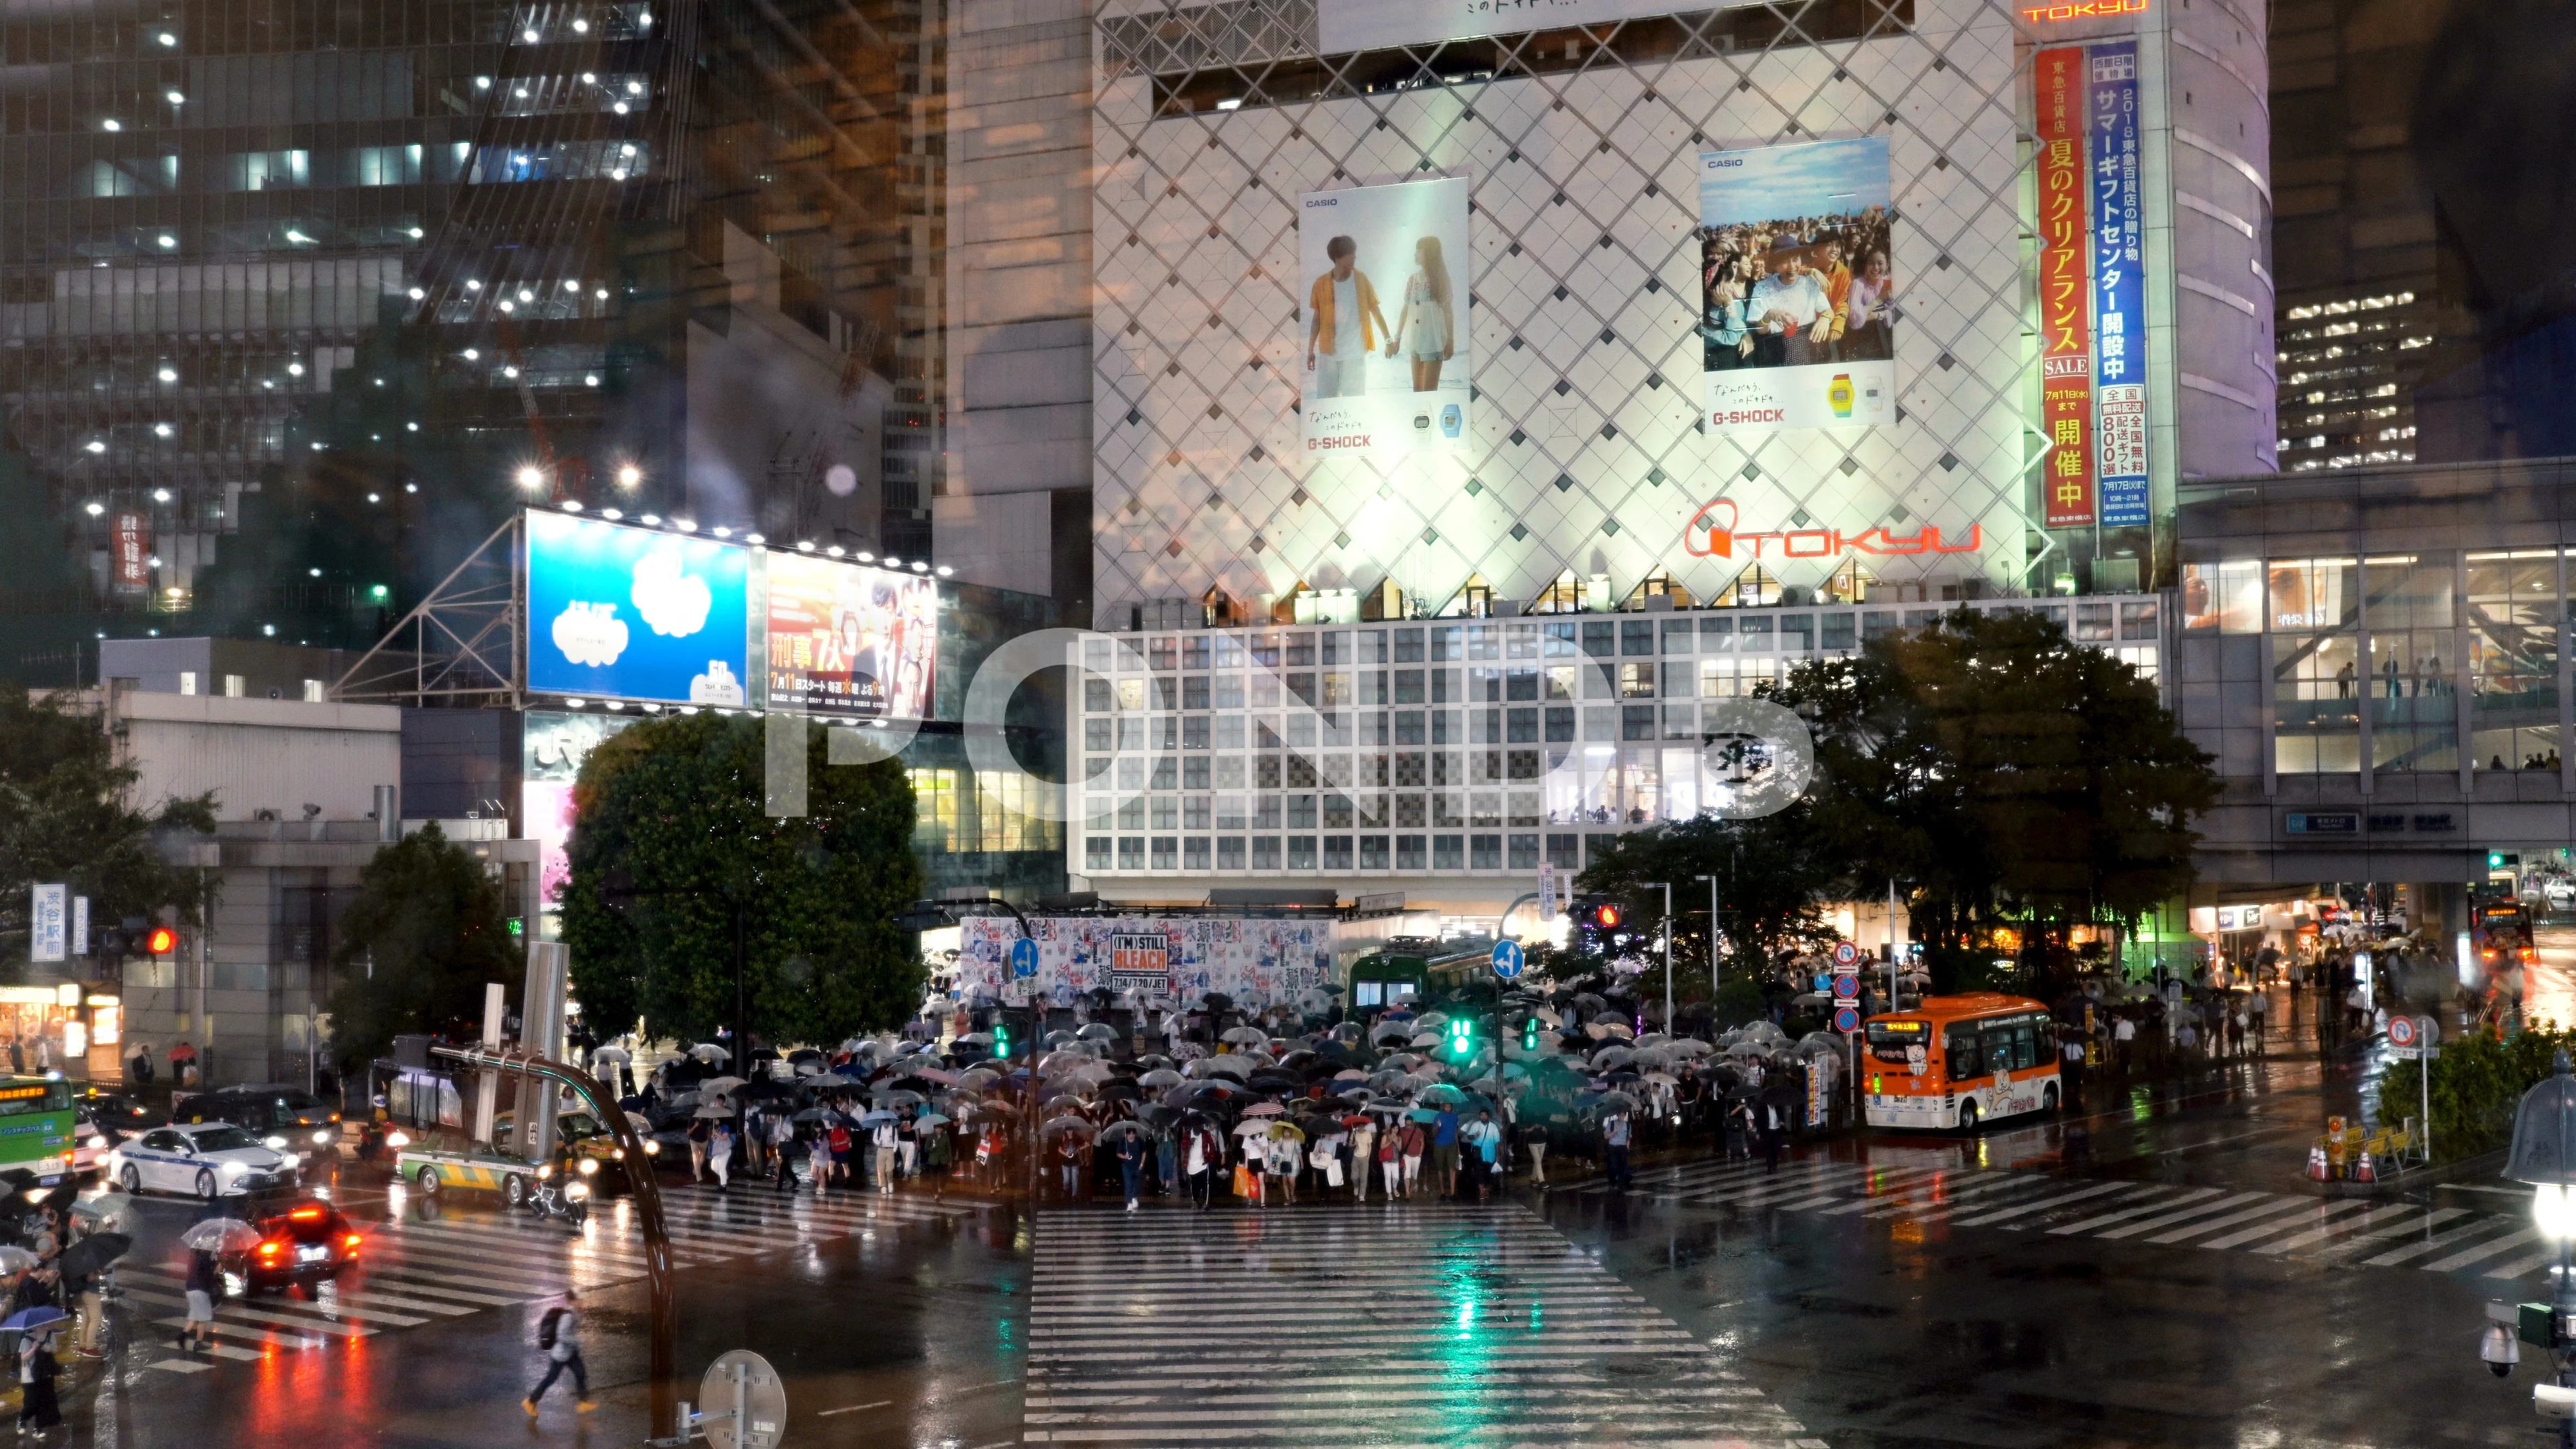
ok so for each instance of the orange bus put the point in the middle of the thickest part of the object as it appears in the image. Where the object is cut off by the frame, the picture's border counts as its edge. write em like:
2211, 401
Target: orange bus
1960, 1060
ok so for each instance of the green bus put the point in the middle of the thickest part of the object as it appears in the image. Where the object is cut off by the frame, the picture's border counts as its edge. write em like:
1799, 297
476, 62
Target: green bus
1413, 964
36, 1129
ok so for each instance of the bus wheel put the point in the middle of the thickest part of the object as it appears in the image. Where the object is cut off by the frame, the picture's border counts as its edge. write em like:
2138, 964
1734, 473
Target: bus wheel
2048, 1099
1967, 1116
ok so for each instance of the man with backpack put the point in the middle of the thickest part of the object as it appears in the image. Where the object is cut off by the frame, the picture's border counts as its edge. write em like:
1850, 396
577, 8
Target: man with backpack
559, 1339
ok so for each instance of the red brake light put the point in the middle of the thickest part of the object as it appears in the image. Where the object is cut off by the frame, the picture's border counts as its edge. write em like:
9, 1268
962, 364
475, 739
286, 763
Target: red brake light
350, 1242
271, 1248
305, 1214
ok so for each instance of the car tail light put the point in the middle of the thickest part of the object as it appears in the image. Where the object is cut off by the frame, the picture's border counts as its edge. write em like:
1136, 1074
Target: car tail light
306, 1214
350, 1243
271, 1248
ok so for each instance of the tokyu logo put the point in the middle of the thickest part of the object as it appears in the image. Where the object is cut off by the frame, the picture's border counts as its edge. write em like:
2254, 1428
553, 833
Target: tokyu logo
1714, 532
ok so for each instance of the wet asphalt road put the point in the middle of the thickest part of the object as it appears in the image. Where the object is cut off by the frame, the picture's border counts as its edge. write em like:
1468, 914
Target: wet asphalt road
2179, 1288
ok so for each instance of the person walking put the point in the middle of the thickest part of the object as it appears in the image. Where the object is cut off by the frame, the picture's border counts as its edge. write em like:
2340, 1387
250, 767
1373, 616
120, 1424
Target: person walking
1486, 1140
559, 1339
39, 1409
720, 1155
1201, 1154
907, 1145
202, 1283
884, 1140
1363, 1156
1390, 1161
1131, 1166
2258, 1013
1167, 1165
1414, 1142
1444, 1150
1534, 1137
934, 1156
1068, 1154
701, 1131
836, 1140
1614, 1138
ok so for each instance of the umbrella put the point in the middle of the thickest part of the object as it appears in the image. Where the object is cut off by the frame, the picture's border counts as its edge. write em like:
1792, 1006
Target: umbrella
707, 1051
873, 1118
1063, 1125
35, 1320
810, 1114
1614, 1102
1161, 1078
14, 1259
95, 1211
929, 1119
899, 1098
1251, 1129
94, 1252
639, 1122
1098, 1031
1122, 1129
609, 1054
1265, 1109
720, 1085
1244, 1035
221, 1235
976, 1038
1284, 1132
825, 1081
714, 1110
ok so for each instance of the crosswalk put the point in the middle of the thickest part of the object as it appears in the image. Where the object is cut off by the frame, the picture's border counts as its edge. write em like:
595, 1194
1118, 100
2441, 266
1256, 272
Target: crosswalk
1465, 1327
414, 1270
2290, 1226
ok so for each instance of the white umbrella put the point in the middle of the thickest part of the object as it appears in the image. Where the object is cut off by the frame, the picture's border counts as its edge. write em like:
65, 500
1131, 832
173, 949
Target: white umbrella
707, 1051
1245, 1035
221, 1235
714, 1110
720, 1085
609, 1054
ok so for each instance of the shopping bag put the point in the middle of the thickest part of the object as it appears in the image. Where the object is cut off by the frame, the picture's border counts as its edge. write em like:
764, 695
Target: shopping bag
1244, 1186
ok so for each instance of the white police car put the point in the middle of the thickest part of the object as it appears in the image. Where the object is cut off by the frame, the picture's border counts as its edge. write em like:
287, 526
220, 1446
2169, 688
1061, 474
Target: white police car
208, 1160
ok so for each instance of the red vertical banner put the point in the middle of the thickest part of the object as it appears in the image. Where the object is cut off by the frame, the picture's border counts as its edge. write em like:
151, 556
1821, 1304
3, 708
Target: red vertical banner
2065, 329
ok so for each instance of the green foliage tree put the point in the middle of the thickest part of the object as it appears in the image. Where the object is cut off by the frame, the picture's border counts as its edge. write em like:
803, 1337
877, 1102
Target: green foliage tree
1772, 874
676, 803
429, 928
2478, 1080
67, 814
2003, 775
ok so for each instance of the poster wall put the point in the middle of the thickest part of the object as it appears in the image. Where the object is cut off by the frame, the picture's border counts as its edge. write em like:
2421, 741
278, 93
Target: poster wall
1343, 26
1256, 962
2065, 326
628, 613
849, 640
1383, 285
1798, 296
2119, 290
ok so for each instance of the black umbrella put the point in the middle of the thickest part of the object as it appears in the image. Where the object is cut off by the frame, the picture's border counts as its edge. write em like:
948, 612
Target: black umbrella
94, 1253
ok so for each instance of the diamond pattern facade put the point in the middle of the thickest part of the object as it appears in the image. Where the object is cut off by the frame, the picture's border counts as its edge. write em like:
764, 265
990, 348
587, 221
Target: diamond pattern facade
1583, 294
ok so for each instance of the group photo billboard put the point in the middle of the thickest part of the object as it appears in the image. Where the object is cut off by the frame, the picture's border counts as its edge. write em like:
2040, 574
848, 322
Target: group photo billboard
1798, 296
849, 640
1386, 359
630, 613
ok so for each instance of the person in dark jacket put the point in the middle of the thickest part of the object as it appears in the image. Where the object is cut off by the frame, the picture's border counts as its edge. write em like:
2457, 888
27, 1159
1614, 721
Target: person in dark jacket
38, 1409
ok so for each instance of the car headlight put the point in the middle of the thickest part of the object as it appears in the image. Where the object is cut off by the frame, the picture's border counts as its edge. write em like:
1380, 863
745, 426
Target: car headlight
652, 1149
95, 1142
232, 1169
397, 1139
577, 1191
589, 1165
273, 1144
321, 1139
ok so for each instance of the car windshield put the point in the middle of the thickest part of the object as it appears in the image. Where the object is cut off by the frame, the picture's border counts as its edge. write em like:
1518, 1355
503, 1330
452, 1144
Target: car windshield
224, 1139
299, 1106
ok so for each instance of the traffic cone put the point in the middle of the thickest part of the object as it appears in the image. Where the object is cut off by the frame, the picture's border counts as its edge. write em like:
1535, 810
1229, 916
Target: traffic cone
2362, 1171
2316, 1162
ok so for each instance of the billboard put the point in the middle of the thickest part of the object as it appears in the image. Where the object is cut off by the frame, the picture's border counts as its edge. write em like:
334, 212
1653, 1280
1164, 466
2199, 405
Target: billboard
1798, 296
849, 640
629, 613
1343, 26
1383, 282
1255, 962
2065, 323
2119, 286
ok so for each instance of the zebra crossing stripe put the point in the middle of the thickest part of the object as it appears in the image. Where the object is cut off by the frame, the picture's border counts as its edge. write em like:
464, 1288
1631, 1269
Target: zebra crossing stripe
2485, 1250
2202, 1208
2411, 1221
2162, 1203
2047, 1204
2271, 1205
2267, 1229
2433, 1244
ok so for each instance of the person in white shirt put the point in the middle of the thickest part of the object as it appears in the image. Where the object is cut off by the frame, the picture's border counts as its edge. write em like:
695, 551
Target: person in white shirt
1791, 316
1343, 323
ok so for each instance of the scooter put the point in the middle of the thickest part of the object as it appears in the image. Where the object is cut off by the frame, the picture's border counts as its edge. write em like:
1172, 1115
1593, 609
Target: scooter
559, 1197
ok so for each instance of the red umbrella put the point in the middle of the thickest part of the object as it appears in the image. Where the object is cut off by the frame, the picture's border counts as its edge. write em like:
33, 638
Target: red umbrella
183, 1053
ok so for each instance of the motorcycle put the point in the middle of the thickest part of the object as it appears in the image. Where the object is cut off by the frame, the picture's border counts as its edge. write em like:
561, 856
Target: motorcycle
565, 1197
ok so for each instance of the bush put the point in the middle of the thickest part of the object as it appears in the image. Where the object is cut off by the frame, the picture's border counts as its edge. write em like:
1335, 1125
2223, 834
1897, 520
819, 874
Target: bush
1738, 1001
2477, 1081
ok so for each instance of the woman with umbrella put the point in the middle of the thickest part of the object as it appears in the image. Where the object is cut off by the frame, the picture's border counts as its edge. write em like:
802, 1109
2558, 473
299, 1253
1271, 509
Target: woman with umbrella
1202, 1154
38, 1408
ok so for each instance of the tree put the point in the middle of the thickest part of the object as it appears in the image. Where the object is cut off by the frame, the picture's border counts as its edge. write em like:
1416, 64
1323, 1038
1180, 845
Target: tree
676, 804
429, 928
2002, 774
67, 814
1772, 873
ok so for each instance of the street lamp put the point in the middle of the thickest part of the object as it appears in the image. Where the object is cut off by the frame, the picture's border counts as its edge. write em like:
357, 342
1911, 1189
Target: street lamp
2544, 1155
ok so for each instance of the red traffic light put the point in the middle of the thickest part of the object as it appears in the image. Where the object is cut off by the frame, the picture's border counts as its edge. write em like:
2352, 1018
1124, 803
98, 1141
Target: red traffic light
162, 941
1606, 916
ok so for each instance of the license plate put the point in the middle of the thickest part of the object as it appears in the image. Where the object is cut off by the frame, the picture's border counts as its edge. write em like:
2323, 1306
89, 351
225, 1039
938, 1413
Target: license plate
315, 1254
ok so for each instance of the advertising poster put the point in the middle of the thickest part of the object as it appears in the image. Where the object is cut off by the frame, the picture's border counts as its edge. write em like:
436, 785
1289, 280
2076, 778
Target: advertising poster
552, 747
2065, 355
1343, 26
1256, 962
133, 551
2119, 292
849, 640
1798, 299
629, 613
1383, 285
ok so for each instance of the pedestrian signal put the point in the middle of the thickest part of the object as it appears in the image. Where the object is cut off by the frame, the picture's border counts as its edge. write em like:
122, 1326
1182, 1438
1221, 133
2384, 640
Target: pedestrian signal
1462, 1038
1001, 1037
1529, 1033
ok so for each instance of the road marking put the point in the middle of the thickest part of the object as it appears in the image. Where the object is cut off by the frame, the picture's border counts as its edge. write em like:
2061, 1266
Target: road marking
854, 1408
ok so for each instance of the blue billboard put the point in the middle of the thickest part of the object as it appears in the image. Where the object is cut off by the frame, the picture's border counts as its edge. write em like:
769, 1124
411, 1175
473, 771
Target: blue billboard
631, 613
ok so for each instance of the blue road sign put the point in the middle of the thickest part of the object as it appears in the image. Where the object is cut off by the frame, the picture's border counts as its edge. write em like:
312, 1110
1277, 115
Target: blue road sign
1847, 1019
1824, 982
1508, 959
1847, 987
1024, 958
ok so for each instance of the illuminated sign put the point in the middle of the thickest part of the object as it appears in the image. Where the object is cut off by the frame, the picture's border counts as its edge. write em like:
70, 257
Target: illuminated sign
2065, 322
17, 1094
2084, 10
1712, 533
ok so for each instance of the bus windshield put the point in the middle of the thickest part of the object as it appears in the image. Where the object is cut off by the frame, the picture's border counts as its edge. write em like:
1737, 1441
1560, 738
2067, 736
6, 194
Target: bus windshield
1894, 1042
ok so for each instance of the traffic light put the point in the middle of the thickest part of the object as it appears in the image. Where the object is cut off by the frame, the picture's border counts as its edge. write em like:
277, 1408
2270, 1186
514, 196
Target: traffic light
1462, 1039
1529, 1032
161, 942
1606, 915
1001, 1037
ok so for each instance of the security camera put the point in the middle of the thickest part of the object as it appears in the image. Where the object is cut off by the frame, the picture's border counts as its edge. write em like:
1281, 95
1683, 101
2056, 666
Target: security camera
2500, 1350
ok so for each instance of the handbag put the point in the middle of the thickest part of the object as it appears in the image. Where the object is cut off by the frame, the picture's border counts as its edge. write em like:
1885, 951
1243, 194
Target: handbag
1244, 1186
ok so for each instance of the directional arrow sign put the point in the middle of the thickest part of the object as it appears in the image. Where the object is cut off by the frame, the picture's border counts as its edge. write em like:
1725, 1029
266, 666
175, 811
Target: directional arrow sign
1024, 958
1508, 959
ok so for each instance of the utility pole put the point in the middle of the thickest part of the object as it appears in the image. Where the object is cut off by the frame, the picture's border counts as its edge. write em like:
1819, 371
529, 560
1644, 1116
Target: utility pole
1712, 935
1667, 888
1891, 944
